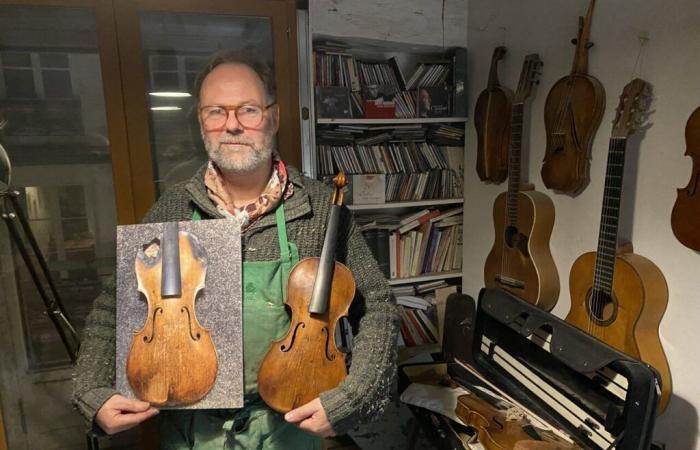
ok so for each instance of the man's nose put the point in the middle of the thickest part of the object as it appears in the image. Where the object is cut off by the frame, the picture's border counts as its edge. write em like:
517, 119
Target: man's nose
232, 123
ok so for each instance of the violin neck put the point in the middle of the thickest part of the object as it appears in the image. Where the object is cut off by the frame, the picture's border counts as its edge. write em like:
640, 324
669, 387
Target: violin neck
322, 285
170, 251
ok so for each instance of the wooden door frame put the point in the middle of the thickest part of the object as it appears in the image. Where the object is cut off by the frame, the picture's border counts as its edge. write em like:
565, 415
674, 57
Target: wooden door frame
283, 16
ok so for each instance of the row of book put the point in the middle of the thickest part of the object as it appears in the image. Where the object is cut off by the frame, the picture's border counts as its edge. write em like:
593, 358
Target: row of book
422, 308
417, 326
402, 157
377, 134
436, 184
428, 241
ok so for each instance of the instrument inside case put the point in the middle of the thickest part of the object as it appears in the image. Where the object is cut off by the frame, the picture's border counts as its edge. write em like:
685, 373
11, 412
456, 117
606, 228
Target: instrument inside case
599, 397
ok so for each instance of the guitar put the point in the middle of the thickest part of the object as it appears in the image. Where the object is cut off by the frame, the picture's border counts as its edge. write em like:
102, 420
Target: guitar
618, 296
520, 261
492, 122
572, 114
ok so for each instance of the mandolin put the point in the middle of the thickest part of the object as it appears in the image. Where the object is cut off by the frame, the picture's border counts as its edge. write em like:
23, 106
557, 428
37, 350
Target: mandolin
618, 296
520, 260
492, 122
685, 218
305, 362
572, 114
172, 360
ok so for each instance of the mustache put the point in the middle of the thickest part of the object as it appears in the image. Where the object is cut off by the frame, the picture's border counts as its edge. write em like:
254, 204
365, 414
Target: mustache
235, 141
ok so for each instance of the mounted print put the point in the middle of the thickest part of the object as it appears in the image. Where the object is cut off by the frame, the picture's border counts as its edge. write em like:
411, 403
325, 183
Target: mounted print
179, 314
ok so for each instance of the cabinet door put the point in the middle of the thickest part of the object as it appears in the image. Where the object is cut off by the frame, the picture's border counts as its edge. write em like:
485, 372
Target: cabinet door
60, 98
163, 44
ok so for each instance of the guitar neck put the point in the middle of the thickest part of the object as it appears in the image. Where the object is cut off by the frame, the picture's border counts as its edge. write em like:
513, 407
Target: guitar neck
514, 158
610, 215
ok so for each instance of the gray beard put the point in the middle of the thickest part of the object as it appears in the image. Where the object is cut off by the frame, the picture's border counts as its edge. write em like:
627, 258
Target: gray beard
258, 155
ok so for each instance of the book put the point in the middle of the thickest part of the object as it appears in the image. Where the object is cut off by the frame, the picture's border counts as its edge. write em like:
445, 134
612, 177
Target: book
368, 189
412, 301
333, 102
433, 101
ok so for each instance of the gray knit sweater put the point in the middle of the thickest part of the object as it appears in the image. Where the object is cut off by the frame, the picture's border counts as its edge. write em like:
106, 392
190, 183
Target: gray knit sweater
373, 315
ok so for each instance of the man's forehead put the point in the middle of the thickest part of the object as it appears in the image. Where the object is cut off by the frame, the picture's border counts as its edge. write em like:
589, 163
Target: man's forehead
231, 75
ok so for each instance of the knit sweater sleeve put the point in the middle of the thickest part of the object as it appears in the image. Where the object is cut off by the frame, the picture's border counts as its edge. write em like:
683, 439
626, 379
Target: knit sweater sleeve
365, 392
93, 380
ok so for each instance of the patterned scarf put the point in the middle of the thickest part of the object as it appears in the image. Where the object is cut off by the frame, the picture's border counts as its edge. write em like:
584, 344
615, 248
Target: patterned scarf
278, 188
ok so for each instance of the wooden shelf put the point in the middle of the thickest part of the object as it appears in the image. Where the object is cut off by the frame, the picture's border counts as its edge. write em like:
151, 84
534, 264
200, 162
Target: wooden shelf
394, 121
425, 277
407, 204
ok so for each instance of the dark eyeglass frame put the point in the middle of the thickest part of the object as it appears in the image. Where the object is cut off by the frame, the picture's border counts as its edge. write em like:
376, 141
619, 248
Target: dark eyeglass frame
235, 109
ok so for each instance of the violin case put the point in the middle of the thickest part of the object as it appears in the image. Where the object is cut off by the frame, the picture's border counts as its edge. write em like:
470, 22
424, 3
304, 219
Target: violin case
599, 397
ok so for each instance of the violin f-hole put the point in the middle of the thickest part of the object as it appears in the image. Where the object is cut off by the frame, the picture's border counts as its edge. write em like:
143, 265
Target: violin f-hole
284, 347
147, 339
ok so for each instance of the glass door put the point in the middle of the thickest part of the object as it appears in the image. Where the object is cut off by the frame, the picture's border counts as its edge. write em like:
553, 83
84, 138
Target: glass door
63, 129
163, 45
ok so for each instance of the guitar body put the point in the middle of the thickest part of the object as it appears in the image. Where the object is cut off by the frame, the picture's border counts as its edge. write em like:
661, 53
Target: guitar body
492, 122
572, 114
629, 321
521, 254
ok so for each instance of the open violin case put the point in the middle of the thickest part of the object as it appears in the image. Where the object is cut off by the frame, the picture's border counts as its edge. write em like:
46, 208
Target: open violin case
597, 396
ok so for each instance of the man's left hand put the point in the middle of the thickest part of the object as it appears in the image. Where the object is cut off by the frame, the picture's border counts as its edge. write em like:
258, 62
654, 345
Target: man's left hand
311, 418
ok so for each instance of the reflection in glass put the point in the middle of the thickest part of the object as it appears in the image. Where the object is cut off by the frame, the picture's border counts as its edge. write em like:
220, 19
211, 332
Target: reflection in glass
51, 95
176, 47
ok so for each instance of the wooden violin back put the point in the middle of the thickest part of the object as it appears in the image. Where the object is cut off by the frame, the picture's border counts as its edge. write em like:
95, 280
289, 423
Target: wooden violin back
172, 360
492, 122
572, 114
685, 218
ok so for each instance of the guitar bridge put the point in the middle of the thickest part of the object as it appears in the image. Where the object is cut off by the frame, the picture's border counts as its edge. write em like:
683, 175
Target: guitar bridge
510, 282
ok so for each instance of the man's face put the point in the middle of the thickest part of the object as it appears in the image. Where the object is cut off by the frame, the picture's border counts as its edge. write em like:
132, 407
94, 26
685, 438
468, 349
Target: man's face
232, 147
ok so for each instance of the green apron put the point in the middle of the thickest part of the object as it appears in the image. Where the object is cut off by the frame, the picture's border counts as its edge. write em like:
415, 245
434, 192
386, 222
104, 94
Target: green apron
265, 318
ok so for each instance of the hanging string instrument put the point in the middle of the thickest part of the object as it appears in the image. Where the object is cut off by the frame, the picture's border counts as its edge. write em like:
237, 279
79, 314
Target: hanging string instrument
618, 296
172, 360
306, 362
492, 122
572, 113
520, 260
685, 218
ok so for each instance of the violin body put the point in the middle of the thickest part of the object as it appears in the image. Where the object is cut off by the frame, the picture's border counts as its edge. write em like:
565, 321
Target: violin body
492, 122
495, 432
172, 360
306, 361
572, 114
520, 260
685, 218
629, 319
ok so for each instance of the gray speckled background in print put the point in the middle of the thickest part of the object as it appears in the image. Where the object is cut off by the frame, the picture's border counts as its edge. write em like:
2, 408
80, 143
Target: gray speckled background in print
219, 308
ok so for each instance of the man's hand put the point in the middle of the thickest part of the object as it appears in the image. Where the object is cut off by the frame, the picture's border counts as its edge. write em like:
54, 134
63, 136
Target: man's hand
311, 418
120, 413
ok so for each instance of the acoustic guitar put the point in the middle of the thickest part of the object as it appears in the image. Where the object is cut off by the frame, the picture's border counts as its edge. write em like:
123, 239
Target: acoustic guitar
520, 260
492, 122
618, 296
572, 115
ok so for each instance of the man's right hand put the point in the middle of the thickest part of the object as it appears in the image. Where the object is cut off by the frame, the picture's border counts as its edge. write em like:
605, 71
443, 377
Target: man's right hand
120, 413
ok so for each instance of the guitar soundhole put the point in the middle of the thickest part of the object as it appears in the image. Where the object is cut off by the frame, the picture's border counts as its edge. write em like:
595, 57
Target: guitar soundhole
602, 307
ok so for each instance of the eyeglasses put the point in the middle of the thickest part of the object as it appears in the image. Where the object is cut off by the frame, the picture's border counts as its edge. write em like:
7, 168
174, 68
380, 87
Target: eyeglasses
249, 116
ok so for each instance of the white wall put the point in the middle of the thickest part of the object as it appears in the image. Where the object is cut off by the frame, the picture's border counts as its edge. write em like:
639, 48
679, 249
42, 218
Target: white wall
657, 166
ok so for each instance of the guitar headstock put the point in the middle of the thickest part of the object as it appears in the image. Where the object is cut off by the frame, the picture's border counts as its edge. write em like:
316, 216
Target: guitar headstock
499, 53
633, 110
529, 77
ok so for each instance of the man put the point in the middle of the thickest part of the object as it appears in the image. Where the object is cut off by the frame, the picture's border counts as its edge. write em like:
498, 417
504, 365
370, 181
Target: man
246, 181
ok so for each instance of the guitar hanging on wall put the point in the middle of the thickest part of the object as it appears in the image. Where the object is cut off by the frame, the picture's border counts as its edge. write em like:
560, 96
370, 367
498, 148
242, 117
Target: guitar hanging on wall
572, 115
492, 122
618, 296
520, 260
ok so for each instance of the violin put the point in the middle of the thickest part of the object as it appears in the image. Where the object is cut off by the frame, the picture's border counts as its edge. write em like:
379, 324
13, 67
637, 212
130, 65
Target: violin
306, 362
572, 114
492, 122
685, 218
498, 430
172, 360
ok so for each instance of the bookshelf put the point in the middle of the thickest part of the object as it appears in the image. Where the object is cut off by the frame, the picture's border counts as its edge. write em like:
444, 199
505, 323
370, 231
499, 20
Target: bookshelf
404, 156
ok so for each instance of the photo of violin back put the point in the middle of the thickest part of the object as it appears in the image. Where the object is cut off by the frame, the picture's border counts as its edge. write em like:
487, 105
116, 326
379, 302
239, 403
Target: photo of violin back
492, 122
572, 114
685, 218
172, 360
